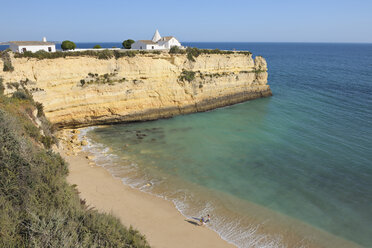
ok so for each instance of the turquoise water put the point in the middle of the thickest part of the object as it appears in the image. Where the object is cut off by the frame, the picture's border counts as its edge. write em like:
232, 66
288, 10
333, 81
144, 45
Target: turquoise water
304, 153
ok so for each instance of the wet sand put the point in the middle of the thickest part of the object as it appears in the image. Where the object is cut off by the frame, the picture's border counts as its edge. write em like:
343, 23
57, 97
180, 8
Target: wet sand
154, 217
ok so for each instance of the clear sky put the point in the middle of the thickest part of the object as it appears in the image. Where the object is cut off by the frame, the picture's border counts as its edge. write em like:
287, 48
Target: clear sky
192, 20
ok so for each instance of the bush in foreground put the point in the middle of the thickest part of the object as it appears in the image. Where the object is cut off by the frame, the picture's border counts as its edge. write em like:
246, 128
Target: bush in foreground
38, 208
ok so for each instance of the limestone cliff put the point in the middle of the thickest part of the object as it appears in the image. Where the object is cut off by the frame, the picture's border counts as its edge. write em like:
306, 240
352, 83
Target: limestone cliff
82, 90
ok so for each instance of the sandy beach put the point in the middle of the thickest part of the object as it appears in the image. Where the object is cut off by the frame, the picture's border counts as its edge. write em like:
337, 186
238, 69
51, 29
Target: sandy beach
154, 217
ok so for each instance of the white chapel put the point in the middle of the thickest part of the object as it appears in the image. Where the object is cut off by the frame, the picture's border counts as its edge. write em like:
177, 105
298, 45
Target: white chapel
157, 42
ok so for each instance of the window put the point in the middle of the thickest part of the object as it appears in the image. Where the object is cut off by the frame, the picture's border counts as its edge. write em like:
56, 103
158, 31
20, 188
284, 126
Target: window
49, 49
24, 49
152, 47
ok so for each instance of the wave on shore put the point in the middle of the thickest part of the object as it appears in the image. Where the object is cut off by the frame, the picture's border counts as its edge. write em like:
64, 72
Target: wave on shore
193, 201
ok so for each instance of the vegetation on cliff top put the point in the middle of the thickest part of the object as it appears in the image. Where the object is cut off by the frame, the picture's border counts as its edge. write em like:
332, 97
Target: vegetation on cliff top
38, 208
191, 53
99, 54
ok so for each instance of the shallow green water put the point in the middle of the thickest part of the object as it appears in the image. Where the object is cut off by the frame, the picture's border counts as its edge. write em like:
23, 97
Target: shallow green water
304, 153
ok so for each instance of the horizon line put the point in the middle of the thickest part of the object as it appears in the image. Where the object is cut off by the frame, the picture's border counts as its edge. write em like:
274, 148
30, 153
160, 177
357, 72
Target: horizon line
314, 42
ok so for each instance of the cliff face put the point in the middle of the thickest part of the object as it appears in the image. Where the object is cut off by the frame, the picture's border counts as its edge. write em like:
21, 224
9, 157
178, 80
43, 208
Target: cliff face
81, 91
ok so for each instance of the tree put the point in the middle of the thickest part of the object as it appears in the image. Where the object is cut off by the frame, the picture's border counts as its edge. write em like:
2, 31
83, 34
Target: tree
127, 44
68, 45
97, 47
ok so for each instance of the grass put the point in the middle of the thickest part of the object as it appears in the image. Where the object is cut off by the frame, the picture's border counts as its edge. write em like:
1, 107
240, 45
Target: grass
38, 208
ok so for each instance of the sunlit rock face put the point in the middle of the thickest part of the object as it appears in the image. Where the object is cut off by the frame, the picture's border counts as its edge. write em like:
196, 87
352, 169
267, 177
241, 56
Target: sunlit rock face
83, 91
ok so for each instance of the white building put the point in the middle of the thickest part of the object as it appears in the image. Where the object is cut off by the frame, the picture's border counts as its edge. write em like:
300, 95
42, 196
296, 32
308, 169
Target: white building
157, 42
32, 46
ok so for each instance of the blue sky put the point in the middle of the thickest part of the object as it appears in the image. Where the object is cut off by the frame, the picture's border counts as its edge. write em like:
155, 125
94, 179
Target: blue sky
217, 20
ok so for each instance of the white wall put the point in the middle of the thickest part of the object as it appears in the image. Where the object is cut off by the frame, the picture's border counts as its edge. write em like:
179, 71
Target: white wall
161, 45
138, 45
154, 47
172, 42
142, 46
33, 49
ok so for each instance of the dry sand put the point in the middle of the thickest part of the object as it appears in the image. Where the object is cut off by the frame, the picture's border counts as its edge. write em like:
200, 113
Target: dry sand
154, 217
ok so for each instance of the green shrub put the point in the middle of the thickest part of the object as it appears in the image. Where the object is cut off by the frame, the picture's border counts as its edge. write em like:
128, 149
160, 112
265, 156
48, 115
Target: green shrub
68, 45
8, 67
127, 44
42, 55
40, 109
7, 61
38, 207
101, 79
192, 53
47, 141
120, 54
105, 54
21, 94
244, 52
187, 75
130, 54
32, 131
97, 47
176, 50
2, 87
13, 85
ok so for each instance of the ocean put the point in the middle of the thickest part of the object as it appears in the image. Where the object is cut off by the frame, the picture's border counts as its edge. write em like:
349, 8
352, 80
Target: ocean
291, 170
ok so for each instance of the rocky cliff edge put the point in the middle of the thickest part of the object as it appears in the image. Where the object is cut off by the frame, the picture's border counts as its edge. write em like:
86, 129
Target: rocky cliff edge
81, 90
